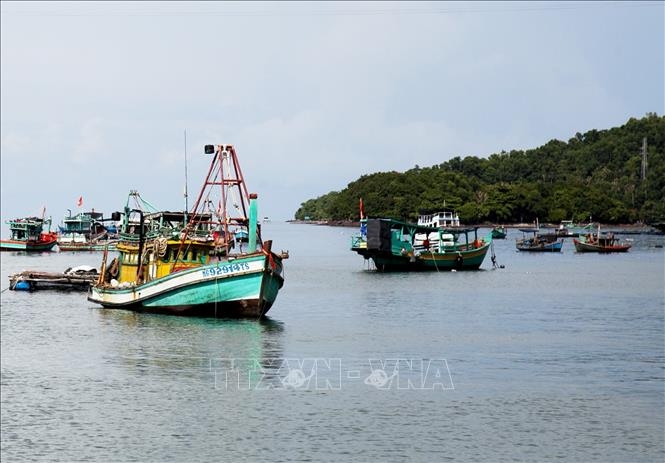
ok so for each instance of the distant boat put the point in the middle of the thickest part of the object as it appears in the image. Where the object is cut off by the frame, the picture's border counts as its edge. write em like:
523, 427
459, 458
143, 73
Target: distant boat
539, 243
86, 231
266, 219
241, 236
186, 263
27, 234
600, 242
443, 219
400, 246
499, 233
567, 229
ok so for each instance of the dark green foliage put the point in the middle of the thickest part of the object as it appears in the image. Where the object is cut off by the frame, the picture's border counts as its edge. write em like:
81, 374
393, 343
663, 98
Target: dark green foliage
594, 175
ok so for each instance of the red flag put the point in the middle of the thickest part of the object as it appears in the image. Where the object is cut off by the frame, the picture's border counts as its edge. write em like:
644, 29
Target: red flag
362, 210
80, 201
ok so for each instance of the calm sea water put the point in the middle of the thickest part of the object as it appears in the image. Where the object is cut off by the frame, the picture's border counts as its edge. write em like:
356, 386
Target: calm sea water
554, 357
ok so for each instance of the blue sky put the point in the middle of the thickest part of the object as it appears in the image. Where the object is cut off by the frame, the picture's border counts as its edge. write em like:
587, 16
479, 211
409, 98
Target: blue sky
96, 97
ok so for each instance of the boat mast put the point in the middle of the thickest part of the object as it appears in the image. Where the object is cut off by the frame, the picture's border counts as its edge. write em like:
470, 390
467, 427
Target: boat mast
223, 156
186, 205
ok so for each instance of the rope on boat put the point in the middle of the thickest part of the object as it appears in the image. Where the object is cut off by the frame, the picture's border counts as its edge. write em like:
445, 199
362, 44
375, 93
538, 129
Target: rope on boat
434, 259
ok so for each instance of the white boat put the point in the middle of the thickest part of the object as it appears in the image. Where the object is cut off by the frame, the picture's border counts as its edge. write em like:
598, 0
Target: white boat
444, 219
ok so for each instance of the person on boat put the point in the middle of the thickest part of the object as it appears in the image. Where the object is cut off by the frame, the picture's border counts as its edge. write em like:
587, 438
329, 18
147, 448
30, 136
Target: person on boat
218, 236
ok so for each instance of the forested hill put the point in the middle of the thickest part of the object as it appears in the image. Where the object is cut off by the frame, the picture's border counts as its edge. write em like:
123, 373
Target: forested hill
597, 174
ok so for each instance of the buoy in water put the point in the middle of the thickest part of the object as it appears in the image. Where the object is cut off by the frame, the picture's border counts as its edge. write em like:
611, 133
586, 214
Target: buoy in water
22, 286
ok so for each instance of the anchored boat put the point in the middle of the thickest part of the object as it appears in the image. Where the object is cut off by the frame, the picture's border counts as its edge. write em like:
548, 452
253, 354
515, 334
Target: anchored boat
539, 242
188, 263
27, 234
394, 245
86, 231
499, 232
600, 242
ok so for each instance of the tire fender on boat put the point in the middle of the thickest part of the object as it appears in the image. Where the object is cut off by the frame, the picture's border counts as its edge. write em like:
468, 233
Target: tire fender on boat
113, 268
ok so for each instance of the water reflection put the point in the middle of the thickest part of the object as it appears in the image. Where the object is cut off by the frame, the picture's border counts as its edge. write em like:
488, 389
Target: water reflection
159, 345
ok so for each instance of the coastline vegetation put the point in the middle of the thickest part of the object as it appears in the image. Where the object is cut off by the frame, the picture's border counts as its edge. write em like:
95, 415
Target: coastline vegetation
597, 175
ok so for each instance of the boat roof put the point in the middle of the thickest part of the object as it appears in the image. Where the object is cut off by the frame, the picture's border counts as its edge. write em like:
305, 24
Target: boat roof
27, 219
173, 215
27, 222
445, 212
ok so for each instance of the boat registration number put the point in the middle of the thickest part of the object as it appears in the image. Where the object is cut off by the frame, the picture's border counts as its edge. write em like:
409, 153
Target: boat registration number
225, 269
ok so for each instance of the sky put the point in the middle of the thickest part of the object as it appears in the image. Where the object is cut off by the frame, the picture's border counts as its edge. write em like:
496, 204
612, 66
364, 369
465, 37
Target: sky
100, 98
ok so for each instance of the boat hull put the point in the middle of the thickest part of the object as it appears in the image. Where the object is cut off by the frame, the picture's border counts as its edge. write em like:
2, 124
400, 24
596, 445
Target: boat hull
427, 261
245, 287
29, 246
587, 247
97, 246
542, 247
499, 233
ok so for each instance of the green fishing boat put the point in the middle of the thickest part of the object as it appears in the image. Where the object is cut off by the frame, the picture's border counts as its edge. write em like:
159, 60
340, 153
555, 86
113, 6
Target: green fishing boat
86, 231
393, 245
187, 263
499, 233
27, 234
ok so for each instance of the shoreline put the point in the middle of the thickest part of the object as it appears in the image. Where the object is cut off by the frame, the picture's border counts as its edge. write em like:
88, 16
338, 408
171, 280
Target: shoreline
620, 228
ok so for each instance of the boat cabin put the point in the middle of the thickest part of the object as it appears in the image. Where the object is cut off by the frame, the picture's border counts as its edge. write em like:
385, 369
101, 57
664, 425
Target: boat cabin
27, 229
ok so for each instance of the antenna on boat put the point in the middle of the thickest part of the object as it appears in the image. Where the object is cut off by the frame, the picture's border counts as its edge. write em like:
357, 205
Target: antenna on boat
186, 205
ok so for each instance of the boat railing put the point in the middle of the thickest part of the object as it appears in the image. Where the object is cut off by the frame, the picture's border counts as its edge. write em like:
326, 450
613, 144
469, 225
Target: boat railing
135, 238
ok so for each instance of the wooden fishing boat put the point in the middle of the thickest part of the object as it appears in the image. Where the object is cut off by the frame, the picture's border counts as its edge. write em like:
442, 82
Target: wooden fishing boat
27, 234
86, 231
499, 232
187, 263
545, 242
600, 242
400, 246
